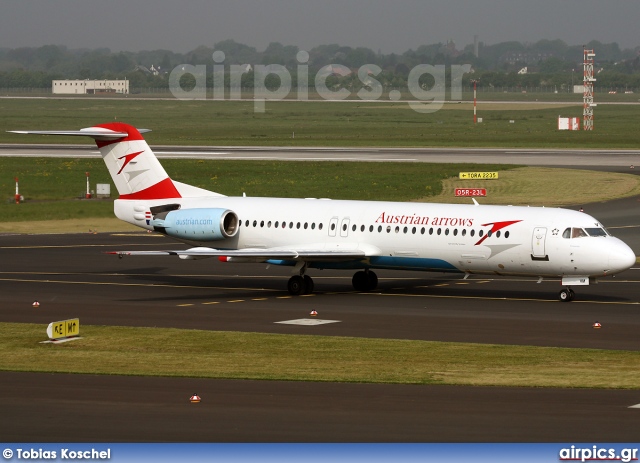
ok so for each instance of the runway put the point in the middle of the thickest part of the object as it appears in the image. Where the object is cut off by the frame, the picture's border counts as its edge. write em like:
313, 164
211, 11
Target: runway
611, 160
207, 294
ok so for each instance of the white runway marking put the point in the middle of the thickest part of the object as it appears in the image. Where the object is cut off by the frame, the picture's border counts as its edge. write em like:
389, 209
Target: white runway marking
308, 322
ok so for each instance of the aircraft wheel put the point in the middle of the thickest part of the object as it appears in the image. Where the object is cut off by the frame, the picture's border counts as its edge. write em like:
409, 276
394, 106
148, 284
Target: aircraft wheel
372, 281
360, 281
308, 284
566, 295
296, 285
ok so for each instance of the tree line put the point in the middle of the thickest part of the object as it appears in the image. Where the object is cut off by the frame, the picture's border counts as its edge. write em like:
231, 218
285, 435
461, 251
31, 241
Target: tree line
548, 63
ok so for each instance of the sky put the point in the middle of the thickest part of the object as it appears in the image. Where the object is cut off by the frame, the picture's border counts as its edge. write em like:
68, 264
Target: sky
388, 26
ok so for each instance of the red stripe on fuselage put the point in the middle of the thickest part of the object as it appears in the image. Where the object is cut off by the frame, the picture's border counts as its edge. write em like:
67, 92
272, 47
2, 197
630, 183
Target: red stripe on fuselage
161, 190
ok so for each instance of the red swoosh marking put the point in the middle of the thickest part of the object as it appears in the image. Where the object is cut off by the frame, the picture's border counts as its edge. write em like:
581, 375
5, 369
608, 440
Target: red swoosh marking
496, 226
127, 159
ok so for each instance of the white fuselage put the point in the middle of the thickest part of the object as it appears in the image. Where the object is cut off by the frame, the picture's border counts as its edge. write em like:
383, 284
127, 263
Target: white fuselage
503, 240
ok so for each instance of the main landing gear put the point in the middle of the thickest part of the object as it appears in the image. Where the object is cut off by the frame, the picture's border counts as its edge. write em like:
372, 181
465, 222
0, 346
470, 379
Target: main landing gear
363, 280
300, 284
566, 295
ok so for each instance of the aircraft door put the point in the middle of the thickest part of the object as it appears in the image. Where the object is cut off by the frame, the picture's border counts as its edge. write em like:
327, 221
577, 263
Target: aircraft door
538, 242
344, 227
333, 225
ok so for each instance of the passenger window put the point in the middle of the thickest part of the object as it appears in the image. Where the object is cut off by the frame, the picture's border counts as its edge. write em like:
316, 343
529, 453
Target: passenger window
319, 226
464, 232
370, 228
455, 232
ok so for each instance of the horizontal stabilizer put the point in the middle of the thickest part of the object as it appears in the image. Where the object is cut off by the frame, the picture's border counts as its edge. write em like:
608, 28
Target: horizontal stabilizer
93, 132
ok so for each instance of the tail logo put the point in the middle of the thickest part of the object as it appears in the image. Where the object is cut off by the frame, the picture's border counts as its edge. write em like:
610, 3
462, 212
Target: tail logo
127, 159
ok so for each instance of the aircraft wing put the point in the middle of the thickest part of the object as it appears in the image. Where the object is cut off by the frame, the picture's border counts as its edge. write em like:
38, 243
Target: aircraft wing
324, 255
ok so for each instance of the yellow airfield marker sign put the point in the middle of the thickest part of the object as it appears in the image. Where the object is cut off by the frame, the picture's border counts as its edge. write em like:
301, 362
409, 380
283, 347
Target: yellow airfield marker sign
478, 175
63, 331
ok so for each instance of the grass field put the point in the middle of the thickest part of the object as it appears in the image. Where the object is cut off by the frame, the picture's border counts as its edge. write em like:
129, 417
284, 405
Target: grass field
322, 123
212, 354
52, 187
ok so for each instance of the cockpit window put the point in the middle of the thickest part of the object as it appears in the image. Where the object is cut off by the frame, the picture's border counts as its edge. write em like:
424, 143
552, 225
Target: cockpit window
567, 233
596, 231
578, 233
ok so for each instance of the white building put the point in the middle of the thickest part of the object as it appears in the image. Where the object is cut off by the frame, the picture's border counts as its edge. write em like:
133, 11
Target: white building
82, 87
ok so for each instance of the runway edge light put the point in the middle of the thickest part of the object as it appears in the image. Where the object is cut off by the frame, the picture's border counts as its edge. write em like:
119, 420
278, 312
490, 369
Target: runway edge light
195, 398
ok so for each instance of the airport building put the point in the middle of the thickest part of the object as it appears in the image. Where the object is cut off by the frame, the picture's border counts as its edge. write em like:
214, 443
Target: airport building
89, 87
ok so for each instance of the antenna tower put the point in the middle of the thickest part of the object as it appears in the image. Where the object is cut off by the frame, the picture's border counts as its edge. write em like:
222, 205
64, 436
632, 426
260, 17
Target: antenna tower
587, 96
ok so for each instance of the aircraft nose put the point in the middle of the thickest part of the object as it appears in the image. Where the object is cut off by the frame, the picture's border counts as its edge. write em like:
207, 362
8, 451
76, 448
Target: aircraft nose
621, 257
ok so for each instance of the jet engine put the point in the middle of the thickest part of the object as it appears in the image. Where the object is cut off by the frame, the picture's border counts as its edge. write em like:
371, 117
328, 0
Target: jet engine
197, 224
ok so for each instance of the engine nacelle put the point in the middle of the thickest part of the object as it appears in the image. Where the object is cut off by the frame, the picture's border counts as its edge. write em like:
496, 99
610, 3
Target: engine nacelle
198, 224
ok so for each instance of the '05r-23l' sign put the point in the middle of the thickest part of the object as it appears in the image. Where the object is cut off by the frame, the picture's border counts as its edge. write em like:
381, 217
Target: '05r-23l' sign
471, 192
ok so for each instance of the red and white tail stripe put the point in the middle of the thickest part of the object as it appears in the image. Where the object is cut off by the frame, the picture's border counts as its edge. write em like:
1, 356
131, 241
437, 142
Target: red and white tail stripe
134, 168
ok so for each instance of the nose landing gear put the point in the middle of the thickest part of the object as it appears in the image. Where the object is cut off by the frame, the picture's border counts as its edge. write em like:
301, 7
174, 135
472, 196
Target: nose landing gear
566, 295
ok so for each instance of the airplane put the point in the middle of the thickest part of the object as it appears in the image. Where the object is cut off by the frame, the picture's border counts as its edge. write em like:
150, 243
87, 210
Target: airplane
467, 239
